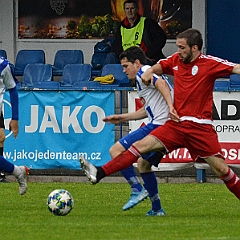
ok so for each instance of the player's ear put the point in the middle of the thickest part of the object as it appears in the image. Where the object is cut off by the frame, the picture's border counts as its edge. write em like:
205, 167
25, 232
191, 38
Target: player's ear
137, 61
195, 48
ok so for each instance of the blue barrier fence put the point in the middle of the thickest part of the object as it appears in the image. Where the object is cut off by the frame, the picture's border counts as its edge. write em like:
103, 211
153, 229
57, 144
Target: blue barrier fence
57, 126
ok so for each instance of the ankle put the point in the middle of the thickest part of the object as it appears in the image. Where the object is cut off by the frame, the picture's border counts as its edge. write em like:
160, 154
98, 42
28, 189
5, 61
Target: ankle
16, 171
100, 173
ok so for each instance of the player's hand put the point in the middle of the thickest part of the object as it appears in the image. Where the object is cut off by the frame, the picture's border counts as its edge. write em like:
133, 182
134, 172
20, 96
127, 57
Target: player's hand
13, 126
147, 77
115, 119
173, 115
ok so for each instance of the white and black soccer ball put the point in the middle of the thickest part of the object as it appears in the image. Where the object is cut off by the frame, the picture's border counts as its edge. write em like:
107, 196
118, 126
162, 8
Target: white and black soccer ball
60, 202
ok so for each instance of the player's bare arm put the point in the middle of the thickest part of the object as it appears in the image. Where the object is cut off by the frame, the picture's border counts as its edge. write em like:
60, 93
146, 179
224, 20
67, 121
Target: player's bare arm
114, 119
236, 69
117, 118
139, 114
147, 76
13, 126
163, 88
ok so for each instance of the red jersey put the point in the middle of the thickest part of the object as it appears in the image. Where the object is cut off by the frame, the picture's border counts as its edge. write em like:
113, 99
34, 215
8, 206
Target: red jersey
194, 83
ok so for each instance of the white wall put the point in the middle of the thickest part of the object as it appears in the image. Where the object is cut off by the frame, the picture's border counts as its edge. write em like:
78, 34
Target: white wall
8, 26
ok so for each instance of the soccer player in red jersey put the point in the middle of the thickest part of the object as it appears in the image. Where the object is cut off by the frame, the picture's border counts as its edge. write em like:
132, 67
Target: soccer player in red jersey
194, 76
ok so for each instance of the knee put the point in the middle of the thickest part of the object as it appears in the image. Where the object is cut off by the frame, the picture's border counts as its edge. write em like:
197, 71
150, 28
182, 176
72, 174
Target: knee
222, 169
148, 144
218, 165
115, 150
2, 139
139, 146
111, 151
144, 166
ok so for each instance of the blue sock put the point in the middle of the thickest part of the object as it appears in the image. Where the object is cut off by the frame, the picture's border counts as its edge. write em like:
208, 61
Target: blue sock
151, 185
5, 165
132, 179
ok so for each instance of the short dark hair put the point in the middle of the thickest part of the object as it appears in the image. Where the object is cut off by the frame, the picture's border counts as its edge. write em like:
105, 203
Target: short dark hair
132, 54
193, 37
131, 1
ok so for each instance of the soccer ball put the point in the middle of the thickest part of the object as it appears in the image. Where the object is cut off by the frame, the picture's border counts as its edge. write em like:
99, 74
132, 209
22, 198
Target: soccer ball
60, 202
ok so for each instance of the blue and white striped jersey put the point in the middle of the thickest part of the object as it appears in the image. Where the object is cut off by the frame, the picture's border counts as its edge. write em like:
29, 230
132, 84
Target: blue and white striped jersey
154, 103
6, 79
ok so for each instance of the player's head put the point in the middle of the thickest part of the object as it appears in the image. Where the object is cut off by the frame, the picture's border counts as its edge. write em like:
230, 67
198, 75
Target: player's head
132, 54
132, 59
131, 9
189, 44
135, 3
193, 37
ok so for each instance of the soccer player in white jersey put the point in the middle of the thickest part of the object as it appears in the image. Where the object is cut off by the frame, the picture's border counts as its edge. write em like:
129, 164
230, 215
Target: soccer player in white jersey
194, 76
156, 108
8, 81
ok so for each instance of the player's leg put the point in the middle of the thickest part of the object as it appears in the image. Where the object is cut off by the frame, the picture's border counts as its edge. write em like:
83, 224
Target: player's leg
138, 193
2, 139
129, 172
203, 142
145, 145
122, 161
19, 172
222, 170
130, 175
150, 182
161, 138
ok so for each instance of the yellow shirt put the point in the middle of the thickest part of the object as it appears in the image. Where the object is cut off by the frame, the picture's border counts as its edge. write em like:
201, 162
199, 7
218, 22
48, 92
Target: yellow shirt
132, 36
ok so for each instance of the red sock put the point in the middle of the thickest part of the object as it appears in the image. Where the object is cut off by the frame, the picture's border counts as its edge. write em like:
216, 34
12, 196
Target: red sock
122, 161
232, 182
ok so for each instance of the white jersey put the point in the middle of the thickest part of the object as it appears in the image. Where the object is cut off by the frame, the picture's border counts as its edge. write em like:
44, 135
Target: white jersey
6, 79
153, 101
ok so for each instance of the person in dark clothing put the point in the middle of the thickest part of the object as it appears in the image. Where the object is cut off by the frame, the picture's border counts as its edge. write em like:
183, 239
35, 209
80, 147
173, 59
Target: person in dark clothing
136, 30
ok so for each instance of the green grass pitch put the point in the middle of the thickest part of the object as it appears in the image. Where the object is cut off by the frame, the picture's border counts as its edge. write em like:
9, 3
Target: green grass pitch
194, 211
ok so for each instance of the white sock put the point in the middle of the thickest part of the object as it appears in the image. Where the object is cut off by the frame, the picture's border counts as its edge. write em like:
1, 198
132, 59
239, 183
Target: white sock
16, 171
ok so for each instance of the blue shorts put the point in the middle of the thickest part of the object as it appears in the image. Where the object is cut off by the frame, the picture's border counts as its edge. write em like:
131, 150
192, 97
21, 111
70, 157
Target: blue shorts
154, 157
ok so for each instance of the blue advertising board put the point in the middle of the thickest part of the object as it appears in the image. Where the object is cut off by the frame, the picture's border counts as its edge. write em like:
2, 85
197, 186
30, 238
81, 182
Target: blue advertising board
56, 127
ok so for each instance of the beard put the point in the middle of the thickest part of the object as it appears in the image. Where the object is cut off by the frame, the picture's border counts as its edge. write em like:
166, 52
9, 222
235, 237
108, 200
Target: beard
188, 58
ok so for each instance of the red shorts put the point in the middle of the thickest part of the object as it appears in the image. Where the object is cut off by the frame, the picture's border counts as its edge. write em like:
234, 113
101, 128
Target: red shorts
201, 140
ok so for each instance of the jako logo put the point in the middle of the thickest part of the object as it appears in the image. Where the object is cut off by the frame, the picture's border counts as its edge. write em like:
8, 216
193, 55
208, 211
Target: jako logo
48, 119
